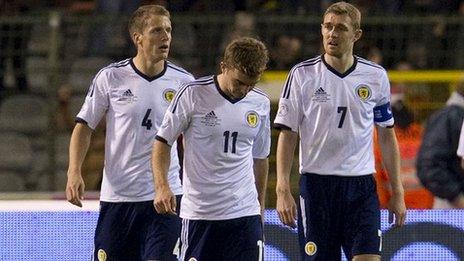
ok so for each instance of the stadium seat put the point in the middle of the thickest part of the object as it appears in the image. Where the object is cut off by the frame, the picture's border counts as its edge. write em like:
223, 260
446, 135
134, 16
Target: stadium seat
24, 113
37, 74
62, 150
15, 151
83, 70
11, 182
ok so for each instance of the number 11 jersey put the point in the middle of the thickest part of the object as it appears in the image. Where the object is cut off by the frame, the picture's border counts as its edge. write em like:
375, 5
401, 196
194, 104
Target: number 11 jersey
222, 136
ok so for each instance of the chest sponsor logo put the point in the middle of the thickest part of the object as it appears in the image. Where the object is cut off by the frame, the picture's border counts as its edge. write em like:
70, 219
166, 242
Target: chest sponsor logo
210, 119
364, 92
168, 95
320, 95
128, 96
252, 119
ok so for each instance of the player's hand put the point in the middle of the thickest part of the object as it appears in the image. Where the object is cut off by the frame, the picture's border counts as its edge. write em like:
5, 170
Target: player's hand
165, 201
286, 208
397, 210
75, 187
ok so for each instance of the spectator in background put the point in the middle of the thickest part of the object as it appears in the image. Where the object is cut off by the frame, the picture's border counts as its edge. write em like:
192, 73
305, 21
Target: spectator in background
438, 165
105, 36
286, 53
409, 135
14, 38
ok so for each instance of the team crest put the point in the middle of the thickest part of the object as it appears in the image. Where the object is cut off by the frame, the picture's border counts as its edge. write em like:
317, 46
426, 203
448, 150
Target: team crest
192, 259
363, 92
252, 119
168, 95
101, 255
310, 248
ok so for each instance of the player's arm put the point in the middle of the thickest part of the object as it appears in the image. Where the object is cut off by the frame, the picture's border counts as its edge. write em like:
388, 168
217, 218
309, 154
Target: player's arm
78, 146
261, 169
165, 201
391, 158
286, 207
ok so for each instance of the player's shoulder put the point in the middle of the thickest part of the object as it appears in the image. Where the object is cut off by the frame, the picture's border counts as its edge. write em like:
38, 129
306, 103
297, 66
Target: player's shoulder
259, 94
196, 84
369, 66
306, 65
111, 71
179, 71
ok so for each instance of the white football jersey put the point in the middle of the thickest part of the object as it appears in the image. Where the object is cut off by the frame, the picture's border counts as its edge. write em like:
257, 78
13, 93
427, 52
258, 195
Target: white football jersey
334, 115
134, 105
221, 138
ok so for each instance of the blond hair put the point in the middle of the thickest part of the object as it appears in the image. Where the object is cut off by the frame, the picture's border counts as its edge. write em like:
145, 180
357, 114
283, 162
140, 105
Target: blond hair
248, 55
139, 19
344, 8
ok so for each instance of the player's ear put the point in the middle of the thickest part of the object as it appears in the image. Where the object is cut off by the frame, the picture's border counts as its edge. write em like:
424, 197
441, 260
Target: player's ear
223, 67
137, 38
357, 34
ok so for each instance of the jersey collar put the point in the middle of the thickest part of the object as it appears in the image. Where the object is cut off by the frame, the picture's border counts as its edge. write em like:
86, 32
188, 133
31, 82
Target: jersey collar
223, 94
341, 75
146, 77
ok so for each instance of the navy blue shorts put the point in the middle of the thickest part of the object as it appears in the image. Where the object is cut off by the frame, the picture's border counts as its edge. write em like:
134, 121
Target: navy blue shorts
234, 239
135, 231
338, 212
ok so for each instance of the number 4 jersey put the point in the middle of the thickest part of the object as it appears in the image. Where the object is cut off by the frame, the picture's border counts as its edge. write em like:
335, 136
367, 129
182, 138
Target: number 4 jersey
334, 114
134, 105
221, 138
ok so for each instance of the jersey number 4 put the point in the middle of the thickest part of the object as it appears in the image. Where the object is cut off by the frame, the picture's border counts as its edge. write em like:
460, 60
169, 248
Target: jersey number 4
146, 122
227, 136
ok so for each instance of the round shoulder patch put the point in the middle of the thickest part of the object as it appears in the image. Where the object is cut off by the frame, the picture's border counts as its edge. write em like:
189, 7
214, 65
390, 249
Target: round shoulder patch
252, 119
364, 92
169, 94
310, 248
101, 255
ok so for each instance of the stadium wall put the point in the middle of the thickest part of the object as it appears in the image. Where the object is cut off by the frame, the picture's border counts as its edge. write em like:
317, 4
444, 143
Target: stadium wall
56, 230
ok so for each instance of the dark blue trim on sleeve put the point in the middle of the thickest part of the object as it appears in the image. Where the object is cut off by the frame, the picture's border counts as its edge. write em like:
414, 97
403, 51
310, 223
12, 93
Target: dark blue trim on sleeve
163, 140
279, 126
80, 120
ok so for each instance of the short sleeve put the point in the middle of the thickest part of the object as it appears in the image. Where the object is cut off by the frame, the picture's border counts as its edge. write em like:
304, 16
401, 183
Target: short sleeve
383, 115
262, 141
96, 102
288, 113
177, 116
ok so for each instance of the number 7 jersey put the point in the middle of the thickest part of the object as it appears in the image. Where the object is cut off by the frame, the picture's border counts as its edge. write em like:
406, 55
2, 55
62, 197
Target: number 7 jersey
134, 105
334, 115
221, 138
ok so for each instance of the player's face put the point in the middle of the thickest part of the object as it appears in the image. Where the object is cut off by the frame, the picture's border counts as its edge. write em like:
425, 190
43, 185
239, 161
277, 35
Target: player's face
155, 40
339, 35
238, 84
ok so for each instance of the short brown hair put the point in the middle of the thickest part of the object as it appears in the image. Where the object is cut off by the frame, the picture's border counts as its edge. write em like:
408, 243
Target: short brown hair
139, 18
248, 55
344, 8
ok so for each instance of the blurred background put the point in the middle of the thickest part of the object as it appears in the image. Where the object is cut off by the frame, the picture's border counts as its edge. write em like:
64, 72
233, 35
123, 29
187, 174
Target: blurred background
51, 50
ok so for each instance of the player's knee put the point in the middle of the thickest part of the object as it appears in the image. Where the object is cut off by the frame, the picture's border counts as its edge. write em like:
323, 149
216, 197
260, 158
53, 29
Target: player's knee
366, 258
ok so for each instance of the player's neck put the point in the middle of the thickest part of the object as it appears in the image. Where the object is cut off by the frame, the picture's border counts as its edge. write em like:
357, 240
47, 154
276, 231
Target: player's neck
148, 67
341, 64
